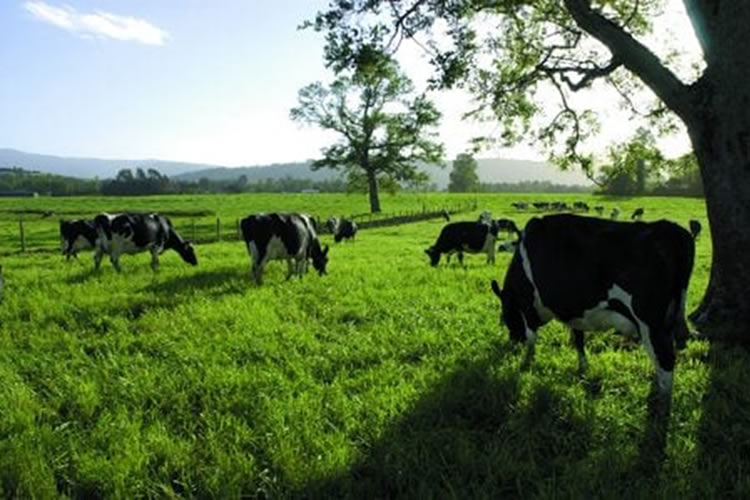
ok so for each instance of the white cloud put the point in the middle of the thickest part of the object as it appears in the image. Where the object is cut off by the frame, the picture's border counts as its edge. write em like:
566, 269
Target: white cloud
97, 24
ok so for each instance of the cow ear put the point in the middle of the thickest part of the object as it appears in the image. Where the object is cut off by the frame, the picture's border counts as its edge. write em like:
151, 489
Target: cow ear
496, 289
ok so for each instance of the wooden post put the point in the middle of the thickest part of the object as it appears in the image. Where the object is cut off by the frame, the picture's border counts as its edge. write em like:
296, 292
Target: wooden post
239, 234
218, 229
23, 235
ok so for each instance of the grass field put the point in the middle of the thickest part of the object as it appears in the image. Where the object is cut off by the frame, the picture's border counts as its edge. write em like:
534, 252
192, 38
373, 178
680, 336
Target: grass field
386, 378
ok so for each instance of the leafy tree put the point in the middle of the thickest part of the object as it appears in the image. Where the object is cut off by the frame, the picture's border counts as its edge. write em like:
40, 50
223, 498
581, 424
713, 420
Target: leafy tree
625, 173
463, 177
505, 51
383, 131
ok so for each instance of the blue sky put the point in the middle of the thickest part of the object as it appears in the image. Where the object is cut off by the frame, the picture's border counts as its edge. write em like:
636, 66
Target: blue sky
207, 81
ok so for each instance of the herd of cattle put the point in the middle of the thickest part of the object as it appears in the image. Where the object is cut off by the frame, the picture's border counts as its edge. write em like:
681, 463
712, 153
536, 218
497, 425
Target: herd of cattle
589, 273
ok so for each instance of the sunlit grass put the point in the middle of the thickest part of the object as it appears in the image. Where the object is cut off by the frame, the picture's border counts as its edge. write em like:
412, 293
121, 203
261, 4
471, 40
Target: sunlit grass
386, 378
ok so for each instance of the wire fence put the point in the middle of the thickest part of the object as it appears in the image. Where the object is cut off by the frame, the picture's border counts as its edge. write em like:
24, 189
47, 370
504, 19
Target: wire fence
34, 234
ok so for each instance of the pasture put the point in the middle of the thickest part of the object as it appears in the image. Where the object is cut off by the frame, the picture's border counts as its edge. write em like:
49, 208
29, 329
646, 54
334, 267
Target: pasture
386, 378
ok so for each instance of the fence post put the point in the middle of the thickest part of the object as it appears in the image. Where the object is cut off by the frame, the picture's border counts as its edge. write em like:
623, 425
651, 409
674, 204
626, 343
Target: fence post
192, 229
23, 235
218, 229
239, 234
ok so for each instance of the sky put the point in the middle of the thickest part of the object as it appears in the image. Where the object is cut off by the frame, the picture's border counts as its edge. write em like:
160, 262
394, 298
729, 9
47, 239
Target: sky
204, 81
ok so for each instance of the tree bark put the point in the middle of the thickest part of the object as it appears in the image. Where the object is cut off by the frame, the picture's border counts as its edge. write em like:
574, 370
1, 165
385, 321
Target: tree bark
721, 141
372, 184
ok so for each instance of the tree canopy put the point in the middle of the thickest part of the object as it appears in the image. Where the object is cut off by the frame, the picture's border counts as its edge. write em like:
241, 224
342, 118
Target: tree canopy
463, 177
384, 130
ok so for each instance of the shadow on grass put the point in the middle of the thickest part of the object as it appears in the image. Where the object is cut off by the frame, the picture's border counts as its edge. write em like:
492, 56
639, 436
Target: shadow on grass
216, 282
468, 438
723, 437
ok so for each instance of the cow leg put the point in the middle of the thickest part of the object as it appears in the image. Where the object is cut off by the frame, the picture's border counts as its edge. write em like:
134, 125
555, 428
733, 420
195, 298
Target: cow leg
664, 359
115, 262
461, 258
257, 272
154, 260
290, 268
577, 336
98, 258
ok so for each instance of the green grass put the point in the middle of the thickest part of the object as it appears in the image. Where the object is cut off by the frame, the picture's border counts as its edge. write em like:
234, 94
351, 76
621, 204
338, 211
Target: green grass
386, 378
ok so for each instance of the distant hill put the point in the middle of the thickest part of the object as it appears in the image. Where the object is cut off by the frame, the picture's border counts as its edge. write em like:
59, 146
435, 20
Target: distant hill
88, 168
492, 170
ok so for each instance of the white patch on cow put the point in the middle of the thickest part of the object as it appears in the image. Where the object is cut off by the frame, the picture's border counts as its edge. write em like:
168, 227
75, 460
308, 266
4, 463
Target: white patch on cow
545, 314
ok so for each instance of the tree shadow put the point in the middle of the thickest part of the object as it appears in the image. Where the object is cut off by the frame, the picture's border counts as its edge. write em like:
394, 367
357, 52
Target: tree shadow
723, 435
470, 437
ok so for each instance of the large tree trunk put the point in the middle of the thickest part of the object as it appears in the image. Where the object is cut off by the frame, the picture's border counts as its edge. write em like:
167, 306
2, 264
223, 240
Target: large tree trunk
372, 184
721, 141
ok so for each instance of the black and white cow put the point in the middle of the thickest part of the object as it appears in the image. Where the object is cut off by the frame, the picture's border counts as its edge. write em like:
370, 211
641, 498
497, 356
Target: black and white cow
332, 224
77, 235
347, 230
465, 236
599, 209
695, 228
596, 274
637, 214
289, 237
131, 233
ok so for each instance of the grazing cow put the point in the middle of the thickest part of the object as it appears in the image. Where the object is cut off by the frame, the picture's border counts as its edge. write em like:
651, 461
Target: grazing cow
506, 225
637, 214
520, 205
465, 236
289, 237
695, 228
347, 230
332, 224
76, 235
446, 215
614, 214
595, 274
131, 233
581, 205
541, 205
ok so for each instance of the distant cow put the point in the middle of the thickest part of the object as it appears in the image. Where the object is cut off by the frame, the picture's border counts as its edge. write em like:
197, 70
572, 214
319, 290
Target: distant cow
132, 232
595, 274
614, 214
77, 235
506, 225
599, 209
347, 230
637, 214
581, 205
695, 228
289, 237
520, 205
332, 224
446, 215
465, 236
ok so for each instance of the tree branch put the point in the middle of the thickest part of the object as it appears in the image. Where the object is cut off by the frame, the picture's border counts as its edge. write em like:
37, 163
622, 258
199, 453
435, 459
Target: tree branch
634, 55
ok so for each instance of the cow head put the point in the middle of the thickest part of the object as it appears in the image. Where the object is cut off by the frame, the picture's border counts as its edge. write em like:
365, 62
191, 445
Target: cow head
187, 252
434, 256
510, 313
320, 259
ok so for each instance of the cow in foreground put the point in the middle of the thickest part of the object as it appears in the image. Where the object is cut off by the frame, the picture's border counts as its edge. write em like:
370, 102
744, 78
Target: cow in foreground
131, 233
595, 274
289, 237
465, 236
77, 235
347, 230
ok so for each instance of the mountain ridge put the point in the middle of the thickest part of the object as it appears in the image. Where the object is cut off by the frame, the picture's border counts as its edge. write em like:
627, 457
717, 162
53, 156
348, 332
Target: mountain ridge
490, 170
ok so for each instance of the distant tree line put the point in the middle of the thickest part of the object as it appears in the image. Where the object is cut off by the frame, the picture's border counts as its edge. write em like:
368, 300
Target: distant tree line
15, 180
